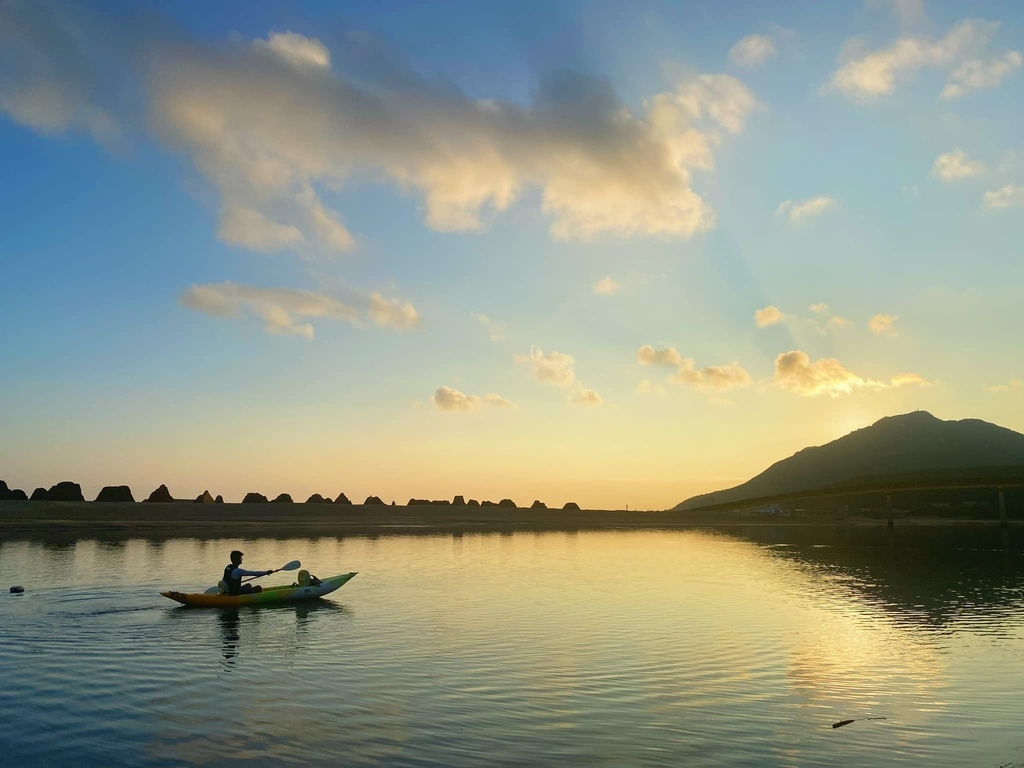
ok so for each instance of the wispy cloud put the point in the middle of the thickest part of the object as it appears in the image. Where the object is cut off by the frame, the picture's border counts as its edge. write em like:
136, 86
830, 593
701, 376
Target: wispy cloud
557, 369
753, 51
976, 74
805, 208
712, 378
448, 399
869, 74
770, 315
282, 308
1010, 196
883, 324
794, 372
955, 165
606, 286
495, 330
1012, 384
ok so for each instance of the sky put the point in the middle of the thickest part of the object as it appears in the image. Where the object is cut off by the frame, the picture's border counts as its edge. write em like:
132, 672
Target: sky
611, 253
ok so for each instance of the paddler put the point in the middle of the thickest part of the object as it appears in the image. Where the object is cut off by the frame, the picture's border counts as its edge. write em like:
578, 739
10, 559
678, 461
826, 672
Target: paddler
234, 572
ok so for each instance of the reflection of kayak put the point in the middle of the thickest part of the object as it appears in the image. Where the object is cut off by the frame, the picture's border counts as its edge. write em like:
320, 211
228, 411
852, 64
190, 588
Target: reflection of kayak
270, 595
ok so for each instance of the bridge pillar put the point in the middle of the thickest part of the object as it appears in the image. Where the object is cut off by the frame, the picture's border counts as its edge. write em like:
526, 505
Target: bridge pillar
1002, 509
888, 504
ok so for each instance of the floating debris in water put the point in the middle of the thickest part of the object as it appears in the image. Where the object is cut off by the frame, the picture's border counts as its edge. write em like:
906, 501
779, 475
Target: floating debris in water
17, 590
841, 723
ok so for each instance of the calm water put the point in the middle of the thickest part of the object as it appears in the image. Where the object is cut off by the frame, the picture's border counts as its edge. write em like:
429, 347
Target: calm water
674, 648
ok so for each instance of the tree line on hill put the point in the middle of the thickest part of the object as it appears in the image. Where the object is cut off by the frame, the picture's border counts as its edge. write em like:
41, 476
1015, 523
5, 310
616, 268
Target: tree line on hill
68, 491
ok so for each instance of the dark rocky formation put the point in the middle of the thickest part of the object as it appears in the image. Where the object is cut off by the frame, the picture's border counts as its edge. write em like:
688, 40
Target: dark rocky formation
429, 503
472, 503
372, 500
17, 590
507, 503
116, 493
204, 498
538, 504
316, 498
255, 498
219, 499
39, 494
458, 501
161, 495
572, 506
342, 499
488, 504
11, 494
65, 491
283, 498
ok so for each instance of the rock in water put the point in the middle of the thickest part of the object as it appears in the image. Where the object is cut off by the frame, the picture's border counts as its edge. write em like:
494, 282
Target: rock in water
284, 498
538, 504
573, 506
255, 498
507, 503
115, 493
373, 500
219, 499
342, 499
39, 494
17, 590
459, 501
204, 498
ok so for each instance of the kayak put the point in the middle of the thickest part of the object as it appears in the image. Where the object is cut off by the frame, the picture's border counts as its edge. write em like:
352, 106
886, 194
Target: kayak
269, 596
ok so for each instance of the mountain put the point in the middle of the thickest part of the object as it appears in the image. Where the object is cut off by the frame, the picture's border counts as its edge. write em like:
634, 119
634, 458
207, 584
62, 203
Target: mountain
895, 445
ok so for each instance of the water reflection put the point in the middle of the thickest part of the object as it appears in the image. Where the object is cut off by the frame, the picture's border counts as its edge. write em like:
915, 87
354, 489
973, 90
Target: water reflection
929, 576
235, 625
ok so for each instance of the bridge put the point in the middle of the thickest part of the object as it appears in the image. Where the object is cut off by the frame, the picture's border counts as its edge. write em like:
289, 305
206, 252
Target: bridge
996, 480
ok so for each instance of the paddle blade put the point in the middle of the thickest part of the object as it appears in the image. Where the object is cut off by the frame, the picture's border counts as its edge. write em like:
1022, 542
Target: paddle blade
294, 565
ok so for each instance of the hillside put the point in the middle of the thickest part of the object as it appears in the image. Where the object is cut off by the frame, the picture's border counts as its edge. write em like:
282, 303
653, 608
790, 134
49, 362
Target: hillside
896, 445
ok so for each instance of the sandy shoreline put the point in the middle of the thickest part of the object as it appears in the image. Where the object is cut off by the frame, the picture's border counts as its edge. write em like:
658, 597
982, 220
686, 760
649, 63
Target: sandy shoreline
42, 519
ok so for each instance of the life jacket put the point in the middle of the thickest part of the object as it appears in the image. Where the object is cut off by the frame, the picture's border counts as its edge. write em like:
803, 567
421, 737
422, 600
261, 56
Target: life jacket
234, 585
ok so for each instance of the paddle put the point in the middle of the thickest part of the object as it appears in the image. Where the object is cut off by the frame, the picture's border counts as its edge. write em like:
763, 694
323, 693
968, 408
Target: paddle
294, 565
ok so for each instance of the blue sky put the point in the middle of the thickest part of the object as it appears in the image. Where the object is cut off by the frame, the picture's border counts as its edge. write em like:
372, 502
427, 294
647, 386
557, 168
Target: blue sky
596, 252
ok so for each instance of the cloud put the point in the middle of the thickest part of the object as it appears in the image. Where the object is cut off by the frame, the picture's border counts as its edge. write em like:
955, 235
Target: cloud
867, 75
247, 228
49, 83
586, 397
648, 355
976, 74
770, 315
753, 50
495, 330
794, 372
556, 368
279, 308
452, 400
448, 399
647, 387
805, 208
713, 378
275, 123
1010, 196
955, 165
392, 313
1010, 385
498, 400
606, 286
883, 324
909, 13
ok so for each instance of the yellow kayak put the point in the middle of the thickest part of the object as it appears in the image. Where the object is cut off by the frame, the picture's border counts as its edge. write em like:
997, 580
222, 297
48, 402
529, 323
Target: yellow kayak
269, 596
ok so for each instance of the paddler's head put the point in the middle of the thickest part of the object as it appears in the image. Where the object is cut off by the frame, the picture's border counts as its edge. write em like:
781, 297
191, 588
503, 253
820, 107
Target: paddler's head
236, 557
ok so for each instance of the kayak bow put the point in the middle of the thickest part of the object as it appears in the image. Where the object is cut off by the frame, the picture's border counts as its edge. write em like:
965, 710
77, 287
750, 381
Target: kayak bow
270, 595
